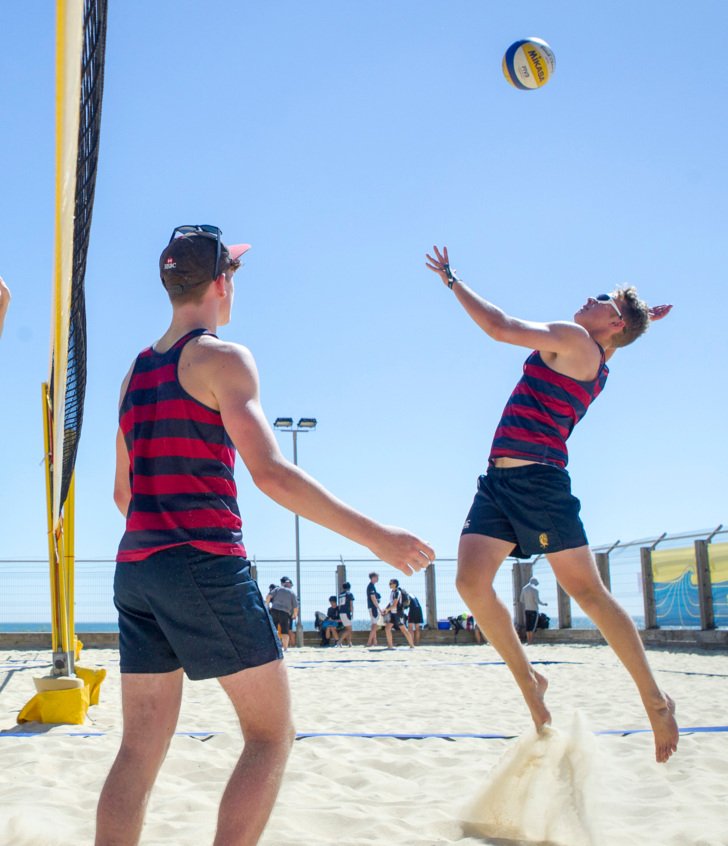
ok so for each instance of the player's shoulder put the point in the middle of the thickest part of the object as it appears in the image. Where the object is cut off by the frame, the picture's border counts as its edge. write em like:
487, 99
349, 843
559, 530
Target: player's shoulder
568, 327
219, 346
569, 340
209, 349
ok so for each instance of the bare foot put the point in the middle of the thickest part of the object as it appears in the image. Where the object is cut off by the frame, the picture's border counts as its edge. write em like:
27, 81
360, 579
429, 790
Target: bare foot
534, 696
664, 728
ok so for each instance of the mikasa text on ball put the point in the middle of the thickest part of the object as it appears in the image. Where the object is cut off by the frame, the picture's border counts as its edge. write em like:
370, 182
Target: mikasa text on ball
528, 63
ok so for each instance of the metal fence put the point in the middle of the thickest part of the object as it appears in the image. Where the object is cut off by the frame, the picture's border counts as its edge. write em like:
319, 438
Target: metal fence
25, 601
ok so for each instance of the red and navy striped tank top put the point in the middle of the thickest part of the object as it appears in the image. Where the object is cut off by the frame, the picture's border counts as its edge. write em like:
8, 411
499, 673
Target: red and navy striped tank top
542, 412
181, 463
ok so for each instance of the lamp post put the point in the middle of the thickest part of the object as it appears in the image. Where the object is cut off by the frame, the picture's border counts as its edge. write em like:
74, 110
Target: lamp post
305, 424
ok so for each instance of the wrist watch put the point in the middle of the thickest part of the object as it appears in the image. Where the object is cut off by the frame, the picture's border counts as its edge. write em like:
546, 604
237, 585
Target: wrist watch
451, 277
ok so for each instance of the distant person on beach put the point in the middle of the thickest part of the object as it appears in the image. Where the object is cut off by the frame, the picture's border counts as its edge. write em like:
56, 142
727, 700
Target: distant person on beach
375, 612
524, 505
394, 616
415, 619
332, 622
284, 609
531, 600
4, 303
186, 599
346, 613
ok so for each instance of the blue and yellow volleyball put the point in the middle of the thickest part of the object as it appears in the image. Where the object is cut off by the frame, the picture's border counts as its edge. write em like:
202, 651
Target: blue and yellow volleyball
529, 63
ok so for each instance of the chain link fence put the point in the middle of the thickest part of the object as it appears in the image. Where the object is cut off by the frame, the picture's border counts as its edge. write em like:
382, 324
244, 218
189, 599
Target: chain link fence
25, 599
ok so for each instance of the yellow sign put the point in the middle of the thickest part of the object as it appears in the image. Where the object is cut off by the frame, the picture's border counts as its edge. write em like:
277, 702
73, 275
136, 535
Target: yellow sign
718, 555
668, 565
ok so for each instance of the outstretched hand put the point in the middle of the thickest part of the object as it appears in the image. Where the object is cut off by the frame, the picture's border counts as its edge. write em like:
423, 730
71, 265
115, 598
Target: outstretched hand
4, 296
404, 551
4, 302
441, 265
658, 312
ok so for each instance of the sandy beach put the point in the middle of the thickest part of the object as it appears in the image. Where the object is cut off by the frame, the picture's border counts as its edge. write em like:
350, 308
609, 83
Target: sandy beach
575, 787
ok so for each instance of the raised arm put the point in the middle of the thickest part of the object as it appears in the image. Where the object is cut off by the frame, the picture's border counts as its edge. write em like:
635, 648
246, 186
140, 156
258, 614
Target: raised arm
562, 337
233, 380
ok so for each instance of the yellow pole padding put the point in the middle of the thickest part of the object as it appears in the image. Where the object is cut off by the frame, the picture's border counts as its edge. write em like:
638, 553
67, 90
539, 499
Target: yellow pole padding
69, 561
47, 444
63, 598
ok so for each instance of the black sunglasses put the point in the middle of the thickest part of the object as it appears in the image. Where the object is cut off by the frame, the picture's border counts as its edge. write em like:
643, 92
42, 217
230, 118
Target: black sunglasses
206, 231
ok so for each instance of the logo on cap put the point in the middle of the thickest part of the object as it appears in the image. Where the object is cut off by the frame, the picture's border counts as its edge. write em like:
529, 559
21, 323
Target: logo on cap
170, 263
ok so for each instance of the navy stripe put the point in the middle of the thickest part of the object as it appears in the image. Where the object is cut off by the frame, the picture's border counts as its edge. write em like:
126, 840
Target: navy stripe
533, 402
184, 502
512, 418
180, 428
207, 436
151, 539
535, 393
523, 422
151, 396
556, 392
170, 465
150, 360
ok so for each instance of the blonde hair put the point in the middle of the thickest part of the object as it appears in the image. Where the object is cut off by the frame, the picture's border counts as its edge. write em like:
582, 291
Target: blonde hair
635, 314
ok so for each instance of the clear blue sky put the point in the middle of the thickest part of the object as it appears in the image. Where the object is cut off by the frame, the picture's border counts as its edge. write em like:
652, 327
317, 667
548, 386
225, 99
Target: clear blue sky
342, 140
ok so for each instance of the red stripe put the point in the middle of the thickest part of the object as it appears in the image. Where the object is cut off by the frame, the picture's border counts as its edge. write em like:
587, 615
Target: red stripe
571, 386
559, 406
528, 436
183, 484
199, 518
213, 547
153, 378
180, 409
182, 448
537, 415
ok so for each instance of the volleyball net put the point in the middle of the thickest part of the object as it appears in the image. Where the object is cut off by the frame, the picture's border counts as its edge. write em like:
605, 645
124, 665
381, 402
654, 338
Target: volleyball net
80, 52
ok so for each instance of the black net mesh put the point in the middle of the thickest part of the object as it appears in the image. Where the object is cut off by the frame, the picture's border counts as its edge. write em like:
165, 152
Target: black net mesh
92, 88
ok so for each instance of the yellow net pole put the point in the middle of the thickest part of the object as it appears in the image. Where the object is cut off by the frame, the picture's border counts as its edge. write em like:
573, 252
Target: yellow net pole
69, 42
69, 559
65, 695
55, 609
63, 595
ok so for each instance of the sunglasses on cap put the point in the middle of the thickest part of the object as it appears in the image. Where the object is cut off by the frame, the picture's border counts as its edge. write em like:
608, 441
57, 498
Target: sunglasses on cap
206, 231
608, 298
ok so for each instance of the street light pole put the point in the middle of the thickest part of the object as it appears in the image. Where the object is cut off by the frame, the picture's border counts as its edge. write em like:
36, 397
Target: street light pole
305, 424
299, 622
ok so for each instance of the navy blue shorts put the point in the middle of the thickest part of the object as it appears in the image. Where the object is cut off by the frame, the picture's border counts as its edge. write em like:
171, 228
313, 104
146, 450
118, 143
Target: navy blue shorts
531, 506
182, 607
